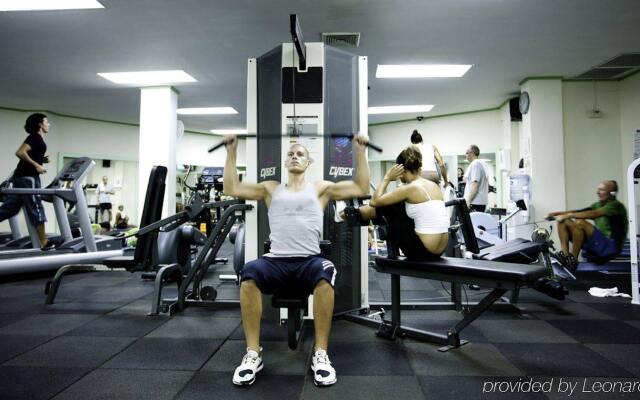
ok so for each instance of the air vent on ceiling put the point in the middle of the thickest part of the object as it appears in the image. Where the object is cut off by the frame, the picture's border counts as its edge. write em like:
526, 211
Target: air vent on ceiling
603, 73
341, 39
623, 60
615, 68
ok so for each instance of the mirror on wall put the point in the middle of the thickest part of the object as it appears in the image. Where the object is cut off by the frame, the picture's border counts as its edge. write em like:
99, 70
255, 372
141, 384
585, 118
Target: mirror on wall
121, 182
452, 164
379, 168
207, 180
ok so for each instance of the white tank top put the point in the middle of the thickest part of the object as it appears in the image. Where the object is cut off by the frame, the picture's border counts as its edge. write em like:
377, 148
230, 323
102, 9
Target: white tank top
429, 217
428, 157
295, 220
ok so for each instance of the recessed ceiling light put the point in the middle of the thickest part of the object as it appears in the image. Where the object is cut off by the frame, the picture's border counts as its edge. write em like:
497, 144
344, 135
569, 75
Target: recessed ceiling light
400, 109
37, 5
229, 131
207, 111
421, 71
148, 78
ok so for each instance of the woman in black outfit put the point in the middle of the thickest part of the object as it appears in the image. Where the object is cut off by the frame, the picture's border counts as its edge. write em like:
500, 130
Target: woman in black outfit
27, 175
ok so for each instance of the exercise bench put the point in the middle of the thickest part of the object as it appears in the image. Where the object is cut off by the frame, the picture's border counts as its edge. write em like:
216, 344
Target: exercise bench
500, 277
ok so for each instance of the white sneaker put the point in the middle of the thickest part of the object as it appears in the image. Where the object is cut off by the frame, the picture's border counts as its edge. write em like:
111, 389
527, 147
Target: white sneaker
340, 206
246, 372
323, 373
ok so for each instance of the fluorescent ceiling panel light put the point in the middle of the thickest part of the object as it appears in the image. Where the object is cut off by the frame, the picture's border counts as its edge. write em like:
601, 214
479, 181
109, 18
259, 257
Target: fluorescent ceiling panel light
148, 78
421, 71
400, 109
229, 131
38, 5
207, 111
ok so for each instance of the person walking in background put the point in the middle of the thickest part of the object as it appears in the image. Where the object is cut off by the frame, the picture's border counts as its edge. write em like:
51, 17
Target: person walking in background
433, 167
476, 190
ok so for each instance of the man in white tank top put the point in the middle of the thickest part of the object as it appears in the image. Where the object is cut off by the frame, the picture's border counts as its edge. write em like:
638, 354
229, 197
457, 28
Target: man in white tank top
293, 265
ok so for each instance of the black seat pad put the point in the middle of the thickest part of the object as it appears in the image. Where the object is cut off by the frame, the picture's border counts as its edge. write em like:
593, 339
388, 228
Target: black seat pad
463, 270
514, 251
120, 262
286, 302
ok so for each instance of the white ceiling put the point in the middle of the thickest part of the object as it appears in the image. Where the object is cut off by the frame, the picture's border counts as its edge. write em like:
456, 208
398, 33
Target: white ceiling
49, 60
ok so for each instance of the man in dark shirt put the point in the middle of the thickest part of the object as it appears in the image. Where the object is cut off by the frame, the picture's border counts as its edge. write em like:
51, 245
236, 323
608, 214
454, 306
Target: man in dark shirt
27, 175
601, 241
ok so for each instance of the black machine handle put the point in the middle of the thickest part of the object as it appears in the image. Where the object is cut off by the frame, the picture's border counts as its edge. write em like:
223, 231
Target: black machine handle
333, 136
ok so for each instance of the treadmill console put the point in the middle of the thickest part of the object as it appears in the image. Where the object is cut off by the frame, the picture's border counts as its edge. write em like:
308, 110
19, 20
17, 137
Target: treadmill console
73, 170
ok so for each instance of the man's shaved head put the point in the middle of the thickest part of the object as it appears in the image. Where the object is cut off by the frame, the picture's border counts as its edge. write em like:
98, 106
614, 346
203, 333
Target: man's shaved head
299, 145
610, 185
607, 190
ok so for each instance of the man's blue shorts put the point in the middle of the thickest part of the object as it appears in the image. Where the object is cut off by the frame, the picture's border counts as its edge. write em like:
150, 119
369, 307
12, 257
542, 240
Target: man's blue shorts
600, 246
289, 276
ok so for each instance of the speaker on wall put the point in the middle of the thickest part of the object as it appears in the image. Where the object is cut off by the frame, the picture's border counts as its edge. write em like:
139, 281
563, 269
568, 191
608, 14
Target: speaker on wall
106, 163
514, 109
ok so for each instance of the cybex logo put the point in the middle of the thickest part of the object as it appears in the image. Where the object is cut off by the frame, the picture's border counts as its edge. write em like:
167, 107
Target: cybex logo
265, 172
340, 171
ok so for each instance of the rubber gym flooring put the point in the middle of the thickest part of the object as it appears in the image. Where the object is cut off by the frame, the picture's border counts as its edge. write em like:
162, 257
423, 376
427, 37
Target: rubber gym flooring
98, 343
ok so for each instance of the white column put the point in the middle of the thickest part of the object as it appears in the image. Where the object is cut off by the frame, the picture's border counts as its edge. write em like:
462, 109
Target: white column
543, 147
158, 132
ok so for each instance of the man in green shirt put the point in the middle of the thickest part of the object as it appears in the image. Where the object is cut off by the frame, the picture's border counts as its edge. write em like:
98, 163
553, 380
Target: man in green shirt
601, 242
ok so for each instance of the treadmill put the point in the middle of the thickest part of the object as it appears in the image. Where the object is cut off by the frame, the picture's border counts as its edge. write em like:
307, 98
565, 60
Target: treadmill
87, 249
17, 240
15, 234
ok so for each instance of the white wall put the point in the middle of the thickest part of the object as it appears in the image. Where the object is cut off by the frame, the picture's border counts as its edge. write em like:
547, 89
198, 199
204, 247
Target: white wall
592, 145
543, 132
76, 137
192, 150
508, 157
452, 135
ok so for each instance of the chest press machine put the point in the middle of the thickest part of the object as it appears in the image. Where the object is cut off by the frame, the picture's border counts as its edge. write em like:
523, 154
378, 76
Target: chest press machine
307, 93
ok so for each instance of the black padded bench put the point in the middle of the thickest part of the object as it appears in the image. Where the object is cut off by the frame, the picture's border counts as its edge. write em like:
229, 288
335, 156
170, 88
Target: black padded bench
499, 276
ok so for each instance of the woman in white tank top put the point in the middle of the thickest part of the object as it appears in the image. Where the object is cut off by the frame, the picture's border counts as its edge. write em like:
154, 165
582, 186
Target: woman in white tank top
432, 165
415, 212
